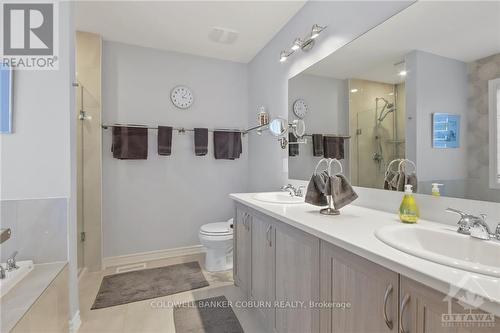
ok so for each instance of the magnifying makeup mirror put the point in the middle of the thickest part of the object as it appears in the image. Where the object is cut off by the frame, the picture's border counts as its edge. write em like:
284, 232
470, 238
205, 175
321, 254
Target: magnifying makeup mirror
278, 126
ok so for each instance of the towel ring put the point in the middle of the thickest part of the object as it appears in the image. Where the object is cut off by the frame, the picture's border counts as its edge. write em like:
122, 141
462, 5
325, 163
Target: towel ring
392, 162
402, 164
329, 165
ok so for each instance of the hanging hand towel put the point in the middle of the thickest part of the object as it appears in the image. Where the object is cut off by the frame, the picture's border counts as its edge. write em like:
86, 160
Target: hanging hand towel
342, 191
333, 147
200, 141
318, 189
130, 143
293, 148
317, 144
164, 140
227, 145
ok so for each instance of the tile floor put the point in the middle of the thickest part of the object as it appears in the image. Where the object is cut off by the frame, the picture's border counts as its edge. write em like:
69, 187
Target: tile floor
142, 317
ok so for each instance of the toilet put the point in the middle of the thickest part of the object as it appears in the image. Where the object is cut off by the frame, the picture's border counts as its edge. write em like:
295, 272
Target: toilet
217, 238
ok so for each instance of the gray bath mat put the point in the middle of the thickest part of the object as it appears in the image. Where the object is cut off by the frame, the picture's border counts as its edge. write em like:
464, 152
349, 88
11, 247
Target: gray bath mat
148, 283
210, 315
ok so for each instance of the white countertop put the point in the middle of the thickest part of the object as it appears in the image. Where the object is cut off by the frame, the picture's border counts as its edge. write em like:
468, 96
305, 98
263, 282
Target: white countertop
354, 230
19, 300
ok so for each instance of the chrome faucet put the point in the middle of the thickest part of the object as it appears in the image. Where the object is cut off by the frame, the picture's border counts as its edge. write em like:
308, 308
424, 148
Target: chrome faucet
475, 226
294, 191
11, 262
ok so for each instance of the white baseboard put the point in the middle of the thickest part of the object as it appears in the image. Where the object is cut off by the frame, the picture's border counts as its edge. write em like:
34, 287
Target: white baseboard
75, 323
152, 255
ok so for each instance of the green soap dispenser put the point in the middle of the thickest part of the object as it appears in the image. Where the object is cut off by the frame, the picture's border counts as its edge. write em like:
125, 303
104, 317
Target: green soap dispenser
408, 211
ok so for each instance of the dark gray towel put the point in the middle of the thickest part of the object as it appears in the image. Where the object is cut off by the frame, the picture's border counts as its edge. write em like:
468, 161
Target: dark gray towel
227, 145
317, 189
317, 144
130, 143
342, 191
164, 140
200, 141
293, 148
333, 147
405, 179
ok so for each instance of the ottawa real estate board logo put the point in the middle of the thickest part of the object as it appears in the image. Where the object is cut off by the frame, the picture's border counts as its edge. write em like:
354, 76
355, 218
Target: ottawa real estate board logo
30, 35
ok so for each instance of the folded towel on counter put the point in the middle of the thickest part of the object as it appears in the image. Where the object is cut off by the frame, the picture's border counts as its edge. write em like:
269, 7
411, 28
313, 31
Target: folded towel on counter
200, 141
333, 147
227, 145
164, 140
130, 143
317, 144
317, 188
342, 191
293, 148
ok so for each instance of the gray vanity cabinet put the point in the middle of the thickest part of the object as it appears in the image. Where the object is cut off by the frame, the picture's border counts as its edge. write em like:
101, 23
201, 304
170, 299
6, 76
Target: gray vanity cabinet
422, 309
297, 279
371, 290
263, 266
242, 245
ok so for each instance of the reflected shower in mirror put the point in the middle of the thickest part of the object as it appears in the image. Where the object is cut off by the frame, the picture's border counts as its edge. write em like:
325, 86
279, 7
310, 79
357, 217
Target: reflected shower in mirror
407, 91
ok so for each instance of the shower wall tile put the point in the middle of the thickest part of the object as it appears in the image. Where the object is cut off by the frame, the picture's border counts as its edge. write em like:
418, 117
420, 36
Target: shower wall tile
39, 229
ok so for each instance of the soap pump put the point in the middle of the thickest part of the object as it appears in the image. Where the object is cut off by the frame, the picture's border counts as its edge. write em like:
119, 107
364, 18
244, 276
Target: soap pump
435, 189
408, 211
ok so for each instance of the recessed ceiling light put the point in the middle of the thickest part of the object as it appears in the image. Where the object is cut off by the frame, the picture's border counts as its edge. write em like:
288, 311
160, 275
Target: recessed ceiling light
354, 90
391, 94
402, 73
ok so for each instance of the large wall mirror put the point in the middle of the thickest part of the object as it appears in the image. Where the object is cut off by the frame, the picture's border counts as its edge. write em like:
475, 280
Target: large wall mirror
416, 87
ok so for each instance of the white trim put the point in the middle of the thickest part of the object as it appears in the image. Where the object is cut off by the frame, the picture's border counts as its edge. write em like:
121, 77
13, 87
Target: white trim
75, 323
494, 113
152, 255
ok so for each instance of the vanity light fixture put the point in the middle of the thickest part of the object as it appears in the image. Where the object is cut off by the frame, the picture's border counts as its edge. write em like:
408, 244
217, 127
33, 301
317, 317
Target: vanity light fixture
305, 44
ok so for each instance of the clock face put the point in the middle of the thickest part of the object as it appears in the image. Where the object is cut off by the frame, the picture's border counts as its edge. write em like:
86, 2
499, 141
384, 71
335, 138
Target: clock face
300, 108
182, 97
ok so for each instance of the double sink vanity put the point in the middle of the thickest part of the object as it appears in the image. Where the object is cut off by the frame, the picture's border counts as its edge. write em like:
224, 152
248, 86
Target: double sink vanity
361, 271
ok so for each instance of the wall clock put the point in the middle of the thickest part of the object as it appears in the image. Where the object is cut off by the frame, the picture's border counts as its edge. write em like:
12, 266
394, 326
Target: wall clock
182, 97
300, 108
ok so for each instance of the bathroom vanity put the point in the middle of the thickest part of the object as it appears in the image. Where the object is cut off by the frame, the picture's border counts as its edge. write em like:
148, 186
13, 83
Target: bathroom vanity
308, 272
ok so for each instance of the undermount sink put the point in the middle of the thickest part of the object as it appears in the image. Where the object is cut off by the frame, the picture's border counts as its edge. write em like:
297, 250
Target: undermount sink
278, 197
15, 276
444, 246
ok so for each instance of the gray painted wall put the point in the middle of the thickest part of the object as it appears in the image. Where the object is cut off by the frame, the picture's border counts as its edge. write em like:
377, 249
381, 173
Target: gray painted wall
268, 78
440, 86
328, 102
161, 202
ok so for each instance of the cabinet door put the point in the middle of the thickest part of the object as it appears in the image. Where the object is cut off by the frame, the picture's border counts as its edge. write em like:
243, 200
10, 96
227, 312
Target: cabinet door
297, 280
263, 274
371, 291
242, 246
425, 310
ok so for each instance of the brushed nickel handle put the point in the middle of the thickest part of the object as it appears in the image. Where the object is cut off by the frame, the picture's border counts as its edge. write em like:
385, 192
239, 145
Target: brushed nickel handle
388, 321
268, 235
404, 303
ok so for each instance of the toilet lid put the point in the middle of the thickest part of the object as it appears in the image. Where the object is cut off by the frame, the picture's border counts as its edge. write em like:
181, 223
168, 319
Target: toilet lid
218, 228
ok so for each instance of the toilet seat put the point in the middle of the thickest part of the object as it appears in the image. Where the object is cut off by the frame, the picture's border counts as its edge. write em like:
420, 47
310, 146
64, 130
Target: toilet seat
216, 229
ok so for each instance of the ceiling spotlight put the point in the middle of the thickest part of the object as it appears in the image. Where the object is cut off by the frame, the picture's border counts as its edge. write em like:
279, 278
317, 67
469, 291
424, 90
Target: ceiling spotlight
316, 30
297, 43
402, 73
283, 56
354, 90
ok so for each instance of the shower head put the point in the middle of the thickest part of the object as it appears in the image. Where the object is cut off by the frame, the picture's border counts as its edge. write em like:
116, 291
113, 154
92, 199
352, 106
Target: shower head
389, 109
